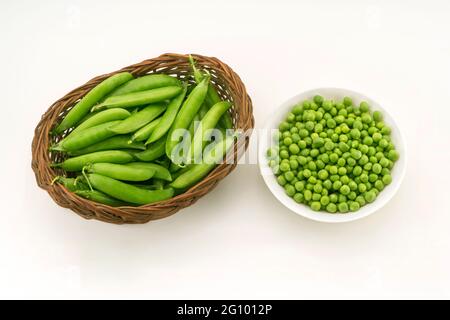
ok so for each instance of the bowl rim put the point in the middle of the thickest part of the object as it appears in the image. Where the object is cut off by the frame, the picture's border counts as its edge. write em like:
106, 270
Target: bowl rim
385, 196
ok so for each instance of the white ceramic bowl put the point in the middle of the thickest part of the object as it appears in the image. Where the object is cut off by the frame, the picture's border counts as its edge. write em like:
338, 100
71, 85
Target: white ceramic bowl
336, 94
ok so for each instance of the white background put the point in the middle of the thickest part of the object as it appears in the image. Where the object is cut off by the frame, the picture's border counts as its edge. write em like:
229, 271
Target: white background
238, 241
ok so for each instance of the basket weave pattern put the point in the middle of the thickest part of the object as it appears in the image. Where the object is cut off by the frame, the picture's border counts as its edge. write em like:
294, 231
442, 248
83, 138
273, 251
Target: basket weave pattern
229, 87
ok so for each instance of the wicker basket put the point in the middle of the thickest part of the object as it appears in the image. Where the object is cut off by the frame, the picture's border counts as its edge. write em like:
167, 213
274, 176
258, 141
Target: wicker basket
229, 86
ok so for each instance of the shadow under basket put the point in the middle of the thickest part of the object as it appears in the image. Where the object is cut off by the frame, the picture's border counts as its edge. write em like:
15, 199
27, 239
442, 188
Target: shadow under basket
229, 87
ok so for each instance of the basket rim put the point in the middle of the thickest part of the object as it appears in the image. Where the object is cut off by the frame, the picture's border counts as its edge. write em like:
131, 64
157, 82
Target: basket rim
88, 209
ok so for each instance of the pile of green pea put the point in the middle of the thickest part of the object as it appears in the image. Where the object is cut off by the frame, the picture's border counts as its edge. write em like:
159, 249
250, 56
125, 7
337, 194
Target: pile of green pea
333, 156
117, 141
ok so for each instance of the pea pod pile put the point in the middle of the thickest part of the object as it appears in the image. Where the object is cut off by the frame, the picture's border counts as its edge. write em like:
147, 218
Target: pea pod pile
333, 156
131, 141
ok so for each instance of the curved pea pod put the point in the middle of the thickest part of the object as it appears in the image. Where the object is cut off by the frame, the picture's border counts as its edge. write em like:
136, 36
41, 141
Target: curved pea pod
148, 82
187, 113
81, 109
168, 117
139, 98
100, 118
86, 137
196, 172
111, 156
100, 197
160, 172
138, 120
121, 171
145, 132
208, 122
113, 143
70, 184
127, 192
154, 151
212, 96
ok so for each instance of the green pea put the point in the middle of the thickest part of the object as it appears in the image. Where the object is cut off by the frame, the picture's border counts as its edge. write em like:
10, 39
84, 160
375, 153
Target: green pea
298, 197
289, 175
284, 167
344, 179
284, 154
347, 101
376, 168
345, 190
315, 205
327, 184
297, 109
343, 207
290, 190
386, 130
354, 206
379, 185
337, 185
377, 116
373, 177
364, 178
323, 174
357, 170
362, 188
387, 179
342, 171
331, 207
364, 106
307, 194
369, 196
393, 155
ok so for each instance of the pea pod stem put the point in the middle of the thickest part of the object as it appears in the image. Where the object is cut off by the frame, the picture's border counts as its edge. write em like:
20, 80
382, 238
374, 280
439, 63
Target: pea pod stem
212, 96
81, 109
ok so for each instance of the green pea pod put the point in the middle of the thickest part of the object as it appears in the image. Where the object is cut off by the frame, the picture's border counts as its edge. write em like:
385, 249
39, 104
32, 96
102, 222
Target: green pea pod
208, 122
196, 172
138, 120
70, 184
212, 96
139, 98
100, 197
145, 132
121, 171
100, 118
168, 117
127, 192
187, 113
87, 137
160, 172
111, 156
81, 109
154, 151
148, 82
113, 143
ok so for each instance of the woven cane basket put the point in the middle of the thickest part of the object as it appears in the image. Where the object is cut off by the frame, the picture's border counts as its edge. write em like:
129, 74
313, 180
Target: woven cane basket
229, 87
